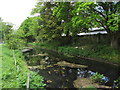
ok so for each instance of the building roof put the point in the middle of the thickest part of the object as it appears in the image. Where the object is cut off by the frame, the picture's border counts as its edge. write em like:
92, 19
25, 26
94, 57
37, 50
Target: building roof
95, 29
92, 33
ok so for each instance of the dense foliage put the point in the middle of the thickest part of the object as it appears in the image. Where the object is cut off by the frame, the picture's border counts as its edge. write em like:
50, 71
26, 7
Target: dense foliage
56, 19
15, 76
11, 37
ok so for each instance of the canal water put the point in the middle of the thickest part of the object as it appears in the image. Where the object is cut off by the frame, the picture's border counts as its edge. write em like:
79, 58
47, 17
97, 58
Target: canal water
63, 77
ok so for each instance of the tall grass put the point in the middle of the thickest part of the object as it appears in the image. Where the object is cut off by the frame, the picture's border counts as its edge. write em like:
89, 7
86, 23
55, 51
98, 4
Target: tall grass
100, 51
0, 66
15, 76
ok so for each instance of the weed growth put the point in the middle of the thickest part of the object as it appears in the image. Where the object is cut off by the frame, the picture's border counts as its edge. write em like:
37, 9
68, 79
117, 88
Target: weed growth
15, 76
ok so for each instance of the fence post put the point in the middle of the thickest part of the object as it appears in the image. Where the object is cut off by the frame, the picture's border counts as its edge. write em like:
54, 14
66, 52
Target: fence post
28, 80
14, 57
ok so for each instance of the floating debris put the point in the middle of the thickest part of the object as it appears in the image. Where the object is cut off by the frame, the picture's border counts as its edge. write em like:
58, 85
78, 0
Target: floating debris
43, 62
49, 81
40, 67
42, 55
71, 65
25, 50
49, 72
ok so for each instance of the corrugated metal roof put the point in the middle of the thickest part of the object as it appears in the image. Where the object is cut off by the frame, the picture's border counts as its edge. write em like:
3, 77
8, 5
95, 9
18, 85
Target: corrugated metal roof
92, 33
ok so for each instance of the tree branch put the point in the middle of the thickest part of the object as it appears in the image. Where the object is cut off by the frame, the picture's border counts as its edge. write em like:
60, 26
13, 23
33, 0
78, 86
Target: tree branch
103, 26
100, 13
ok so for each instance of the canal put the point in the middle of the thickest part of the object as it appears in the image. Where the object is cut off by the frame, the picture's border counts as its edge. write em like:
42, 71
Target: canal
44, 62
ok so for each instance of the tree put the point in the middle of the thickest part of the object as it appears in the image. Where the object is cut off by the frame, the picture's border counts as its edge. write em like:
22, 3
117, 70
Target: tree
36, 27
10, 36
72, 18
50, 27
7, 30
102, 14
81, 19
106, 14
1, 31
63, 12
28, 29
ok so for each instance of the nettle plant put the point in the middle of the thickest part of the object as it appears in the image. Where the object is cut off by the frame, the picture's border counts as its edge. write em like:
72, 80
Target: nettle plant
99, 78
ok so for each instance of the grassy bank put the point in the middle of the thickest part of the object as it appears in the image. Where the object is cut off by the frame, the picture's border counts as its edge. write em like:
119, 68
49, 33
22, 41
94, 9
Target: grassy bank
97, 51
15, 76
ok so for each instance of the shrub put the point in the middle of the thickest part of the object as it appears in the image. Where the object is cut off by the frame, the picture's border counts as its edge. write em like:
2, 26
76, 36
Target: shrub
36, 81
97, 77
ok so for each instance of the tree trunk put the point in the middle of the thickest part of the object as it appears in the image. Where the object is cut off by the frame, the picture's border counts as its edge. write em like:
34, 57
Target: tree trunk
114, 41
115, 37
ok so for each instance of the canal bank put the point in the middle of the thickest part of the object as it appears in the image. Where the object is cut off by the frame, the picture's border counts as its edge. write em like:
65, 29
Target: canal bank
94, 51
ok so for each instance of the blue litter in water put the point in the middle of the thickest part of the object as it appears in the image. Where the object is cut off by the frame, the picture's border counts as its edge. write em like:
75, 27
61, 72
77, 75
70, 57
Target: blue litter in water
105, 79
91, 73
